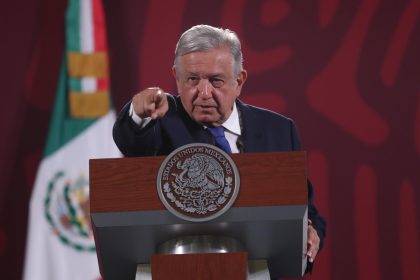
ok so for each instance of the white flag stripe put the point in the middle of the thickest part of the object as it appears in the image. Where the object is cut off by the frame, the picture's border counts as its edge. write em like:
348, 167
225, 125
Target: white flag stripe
89, 84
86, 27
87, 43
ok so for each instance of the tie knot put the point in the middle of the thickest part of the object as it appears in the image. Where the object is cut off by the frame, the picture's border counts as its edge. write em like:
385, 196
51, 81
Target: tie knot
217, 131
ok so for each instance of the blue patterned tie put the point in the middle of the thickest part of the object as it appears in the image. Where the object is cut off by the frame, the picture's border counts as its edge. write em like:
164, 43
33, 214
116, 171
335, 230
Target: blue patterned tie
219, 136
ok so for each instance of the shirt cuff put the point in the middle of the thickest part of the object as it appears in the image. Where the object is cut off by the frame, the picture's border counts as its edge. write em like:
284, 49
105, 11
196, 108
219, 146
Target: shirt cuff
142, 122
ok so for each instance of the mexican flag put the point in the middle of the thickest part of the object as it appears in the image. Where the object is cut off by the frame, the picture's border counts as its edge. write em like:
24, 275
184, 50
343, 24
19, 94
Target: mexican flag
60, 242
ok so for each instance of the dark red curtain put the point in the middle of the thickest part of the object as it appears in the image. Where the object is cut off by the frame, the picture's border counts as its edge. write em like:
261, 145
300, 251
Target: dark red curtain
347, 72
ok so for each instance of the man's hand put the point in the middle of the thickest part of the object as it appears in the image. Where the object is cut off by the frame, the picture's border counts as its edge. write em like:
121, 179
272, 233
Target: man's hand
151, 102
313, 243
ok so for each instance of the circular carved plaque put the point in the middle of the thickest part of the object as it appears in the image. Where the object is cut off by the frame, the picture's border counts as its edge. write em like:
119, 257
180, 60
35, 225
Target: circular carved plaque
198, 182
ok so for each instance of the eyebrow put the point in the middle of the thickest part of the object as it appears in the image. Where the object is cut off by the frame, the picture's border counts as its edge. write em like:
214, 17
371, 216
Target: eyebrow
215, 75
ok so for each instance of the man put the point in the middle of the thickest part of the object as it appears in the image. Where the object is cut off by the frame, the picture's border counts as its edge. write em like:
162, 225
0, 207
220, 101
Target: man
209, 75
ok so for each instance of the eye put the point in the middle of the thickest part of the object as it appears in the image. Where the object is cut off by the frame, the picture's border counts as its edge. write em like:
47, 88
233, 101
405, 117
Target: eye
216, 82
193, 80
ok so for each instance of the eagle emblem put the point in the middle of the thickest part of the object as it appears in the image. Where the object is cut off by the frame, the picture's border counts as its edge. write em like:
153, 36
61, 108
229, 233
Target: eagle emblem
196, 181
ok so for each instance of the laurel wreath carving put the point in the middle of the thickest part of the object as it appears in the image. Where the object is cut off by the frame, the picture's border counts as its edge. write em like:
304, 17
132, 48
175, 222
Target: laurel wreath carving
197, 201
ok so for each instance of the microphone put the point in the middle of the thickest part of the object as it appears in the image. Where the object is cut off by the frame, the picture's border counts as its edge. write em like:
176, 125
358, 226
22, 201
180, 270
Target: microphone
240, 144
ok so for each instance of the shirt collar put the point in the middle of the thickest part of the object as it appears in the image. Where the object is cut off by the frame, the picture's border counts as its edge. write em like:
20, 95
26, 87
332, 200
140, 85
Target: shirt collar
232, 123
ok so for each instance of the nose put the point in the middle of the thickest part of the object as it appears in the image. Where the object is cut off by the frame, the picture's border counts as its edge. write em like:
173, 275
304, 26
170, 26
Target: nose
204, 88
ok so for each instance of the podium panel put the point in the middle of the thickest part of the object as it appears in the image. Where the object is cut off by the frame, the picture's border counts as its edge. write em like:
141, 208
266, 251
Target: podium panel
269, 216
209, 266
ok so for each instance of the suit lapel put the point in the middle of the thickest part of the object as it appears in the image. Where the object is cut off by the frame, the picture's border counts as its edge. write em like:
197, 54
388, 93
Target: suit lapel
251, 129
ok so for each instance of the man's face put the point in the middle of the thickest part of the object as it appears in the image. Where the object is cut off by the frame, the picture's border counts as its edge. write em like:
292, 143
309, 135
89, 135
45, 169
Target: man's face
207, 85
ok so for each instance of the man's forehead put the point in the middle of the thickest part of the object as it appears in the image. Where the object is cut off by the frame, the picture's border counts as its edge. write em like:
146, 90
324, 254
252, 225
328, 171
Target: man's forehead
214, 55
211, 62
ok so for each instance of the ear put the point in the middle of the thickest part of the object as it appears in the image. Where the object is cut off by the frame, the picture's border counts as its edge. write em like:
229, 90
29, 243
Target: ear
240, 80
174, 74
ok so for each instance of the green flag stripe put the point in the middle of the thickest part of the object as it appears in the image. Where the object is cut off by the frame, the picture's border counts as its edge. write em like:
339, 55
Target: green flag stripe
73, 26
73, 37
75, 84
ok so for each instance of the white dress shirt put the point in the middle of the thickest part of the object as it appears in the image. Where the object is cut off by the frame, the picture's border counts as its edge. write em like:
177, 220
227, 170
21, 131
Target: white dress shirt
233, 129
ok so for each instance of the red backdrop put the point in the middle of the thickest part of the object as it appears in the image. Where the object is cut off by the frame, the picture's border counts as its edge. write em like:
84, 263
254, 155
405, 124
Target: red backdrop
347, 72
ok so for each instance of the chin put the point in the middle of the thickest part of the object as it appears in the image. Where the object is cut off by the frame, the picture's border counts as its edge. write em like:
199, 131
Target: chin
206, 119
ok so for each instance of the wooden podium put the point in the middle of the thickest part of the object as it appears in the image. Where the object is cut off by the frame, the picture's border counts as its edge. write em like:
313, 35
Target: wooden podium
269, 218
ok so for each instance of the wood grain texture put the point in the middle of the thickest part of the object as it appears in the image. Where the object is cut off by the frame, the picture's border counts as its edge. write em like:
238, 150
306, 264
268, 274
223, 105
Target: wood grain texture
129, 184
200, 266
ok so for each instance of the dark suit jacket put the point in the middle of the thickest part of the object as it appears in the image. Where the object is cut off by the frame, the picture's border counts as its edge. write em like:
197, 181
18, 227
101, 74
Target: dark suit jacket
262, 131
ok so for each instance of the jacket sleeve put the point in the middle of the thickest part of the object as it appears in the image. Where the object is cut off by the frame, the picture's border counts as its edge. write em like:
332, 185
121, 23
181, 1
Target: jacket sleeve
133, 140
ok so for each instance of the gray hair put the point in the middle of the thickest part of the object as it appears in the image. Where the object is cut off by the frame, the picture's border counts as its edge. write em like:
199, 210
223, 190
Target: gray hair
202, 38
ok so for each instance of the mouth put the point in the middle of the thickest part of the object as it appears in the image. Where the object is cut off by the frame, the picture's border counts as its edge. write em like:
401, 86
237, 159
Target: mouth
206, 109
206, 114
205, 106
